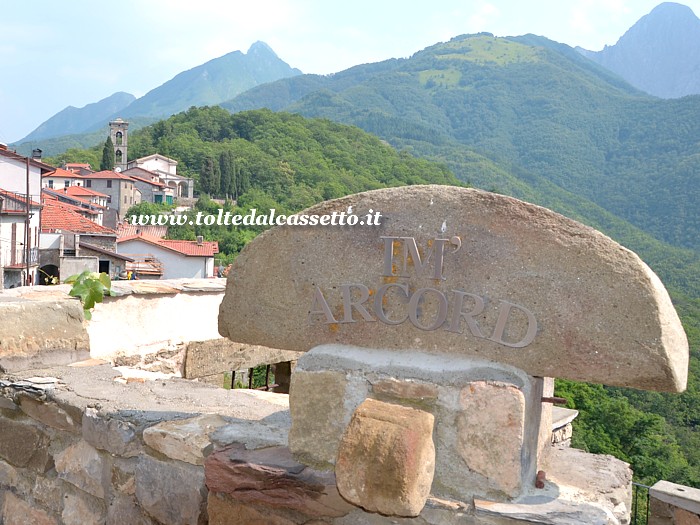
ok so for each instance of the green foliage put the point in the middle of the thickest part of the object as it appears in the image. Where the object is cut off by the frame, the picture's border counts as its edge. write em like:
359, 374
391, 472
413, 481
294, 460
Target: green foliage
547, 123
108, 160
280, 161
148, 208
90, 287
210, 177
82, 156
609, 424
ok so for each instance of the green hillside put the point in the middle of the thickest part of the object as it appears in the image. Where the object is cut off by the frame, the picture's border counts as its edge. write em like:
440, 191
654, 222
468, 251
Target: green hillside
531, 118
532, 106
287, 162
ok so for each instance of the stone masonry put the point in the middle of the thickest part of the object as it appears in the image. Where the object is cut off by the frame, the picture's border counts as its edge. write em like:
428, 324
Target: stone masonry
432, 337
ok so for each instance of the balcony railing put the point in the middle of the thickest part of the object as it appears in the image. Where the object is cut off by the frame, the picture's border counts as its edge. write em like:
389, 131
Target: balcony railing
13, 202
17, 258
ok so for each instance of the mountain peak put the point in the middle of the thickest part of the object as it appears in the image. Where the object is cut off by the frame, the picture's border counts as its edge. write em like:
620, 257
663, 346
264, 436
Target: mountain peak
259, 48
673, 9
659, 54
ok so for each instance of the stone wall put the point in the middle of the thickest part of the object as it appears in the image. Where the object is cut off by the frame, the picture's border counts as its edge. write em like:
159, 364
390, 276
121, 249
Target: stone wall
78, 447
671, 504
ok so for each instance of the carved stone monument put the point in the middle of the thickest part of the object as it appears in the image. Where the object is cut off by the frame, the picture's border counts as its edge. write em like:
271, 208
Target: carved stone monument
431, 337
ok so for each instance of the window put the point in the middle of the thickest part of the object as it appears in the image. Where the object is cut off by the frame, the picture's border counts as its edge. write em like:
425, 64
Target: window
119, 137
118, 156
88, 184
50, 184
66, 183
124, 199
109, 183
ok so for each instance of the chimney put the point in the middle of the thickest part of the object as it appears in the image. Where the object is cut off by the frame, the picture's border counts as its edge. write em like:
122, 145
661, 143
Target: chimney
200, 240
36, 154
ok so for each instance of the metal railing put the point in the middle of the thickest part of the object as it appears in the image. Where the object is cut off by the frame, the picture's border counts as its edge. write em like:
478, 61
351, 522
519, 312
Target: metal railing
14, 202
18, 257
640, 504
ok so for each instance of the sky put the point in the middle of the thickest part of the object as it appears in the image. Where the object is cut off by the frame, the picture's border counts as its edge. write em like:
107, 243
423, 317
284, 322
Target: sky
75, 52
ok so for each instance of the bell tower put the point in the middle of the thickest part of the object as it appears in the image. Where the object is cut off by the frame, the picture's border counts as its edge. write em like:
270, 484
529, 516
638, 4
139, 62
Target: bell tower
119, 133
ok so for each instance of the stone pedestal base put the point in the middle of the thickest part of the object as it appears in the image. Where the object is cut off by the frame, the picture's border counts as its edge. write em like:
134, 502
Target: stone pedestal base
490, 423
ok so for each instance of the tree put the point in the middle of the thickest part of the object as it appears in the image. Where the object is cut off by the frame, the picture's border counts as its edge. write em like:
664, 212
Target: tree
107, 156
228, 174
210, 177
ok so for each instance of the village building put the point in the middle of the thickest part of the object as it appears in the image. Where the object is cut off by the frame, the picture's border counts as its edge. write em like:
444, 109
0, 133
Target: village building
19, 216
78, 168
151, 187
72, 242
121, 192
60, 178
92, 207
166, 169
169, 259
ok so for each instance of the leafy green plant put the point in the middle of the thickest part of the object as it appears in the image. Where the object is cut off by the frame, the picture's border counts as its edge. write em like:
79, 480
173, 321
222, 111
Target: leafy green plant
91, 288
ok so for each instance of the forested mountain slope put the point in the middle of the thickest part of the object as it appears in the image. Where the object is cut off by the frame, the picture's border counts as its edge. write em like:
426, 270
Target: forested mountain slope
533, 107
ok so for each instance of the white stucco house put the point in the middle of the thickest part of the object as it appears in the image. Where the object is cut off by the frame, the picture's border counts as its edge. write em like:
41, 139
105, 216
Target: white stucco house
166, 170
19, 251
168, 259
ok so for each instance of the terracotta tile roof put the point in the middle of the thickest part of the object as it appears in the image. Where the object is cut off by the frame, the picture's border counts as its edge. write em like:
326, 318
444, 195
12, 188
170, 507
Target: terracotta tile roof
61, 216
129, 230
187, 248
143, 175
77, 191
78, 204
147, 181
192, 248
61, 174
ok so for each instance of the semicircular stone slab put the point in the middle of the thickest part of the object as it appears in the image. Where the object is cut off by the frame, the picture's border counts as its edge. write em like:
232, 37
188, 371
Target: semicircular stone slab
460, 271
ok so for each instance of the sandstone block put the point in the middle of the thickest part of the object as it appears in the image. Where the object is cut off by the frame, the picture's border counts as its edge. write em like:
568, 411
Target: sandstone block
433, 383
80, 508
407, 390
184, 439
270, 477
24, 445
83, 466
123, 475
223, 510
464, 272
204, 358
60, 338
48, 492
49, 414
172, 493
123, 510
319, 416
16, 511
386, 459
490, 430
113, 435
